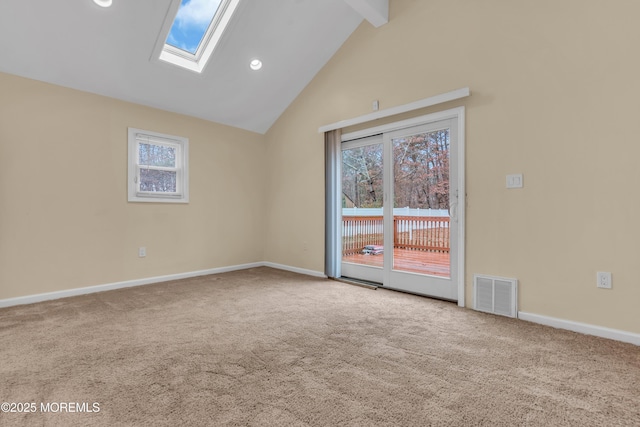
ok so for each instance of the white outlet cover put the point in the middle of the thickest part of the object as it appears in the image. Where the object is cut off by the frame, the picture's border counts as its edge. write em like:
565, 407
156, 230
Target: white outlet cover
603, 279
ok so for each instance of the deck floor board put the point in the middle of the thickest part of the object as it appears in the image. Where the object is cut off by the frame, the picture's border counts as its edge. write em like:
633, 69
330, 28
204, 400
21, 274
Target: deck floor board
432, 263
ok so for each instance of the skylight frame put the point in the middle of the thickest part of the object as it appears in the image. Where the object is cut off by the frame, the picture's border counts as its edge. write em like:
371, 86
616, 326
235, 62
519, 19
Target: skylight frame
197, 62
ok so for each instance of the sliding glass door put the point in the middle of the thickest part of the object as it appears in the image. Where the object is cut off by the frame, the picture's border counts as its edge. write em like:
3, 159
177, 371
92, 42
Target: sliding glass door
362, 209
399, 209
424, 193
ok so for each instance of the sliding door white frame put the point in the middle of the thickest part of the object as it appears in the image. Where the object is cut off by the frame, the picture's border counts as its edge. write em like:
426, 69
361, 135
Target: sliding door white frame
459, 114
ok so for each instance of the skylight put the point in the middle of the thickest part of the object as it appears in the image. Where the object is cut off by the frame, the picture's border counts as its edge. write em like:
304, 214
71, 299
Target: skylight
195, 32
191, 23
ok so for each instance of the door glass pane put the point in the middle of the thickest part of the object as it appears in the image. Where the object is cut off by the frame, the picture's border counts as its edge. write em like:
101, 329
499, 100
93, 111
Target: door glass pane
362, 194
421, 203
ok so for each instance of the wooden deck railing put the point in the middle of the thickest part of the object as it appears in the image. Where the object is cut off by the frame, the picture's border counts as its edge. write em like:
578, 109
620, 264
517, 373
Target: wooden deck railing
359, 231
420, 233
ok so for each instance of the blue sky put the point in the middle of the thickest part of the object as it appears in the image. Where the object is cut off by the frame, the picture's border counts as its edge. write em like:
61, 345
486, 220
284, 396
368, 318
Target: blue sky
192, 21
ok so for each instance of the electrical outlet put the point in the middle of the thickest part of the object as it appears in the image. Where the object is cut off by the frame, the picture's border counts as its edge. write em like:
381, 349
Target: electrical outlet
142, 252
604, 279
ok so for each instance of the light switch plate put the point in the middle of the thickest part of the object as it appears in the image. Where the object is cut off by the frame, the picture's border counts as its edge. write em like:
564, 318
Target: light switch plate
515, 181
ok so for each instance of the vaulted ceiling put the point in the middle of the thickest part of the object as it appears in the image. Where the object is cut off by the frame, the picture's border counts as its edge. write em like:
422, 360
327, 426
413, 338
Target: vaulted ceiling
110, 51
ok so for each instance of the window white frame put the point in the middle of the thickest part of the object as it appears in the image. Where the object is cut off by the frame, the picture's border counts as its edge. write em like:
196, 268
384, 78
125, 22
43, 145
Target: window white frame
194, 62
180, 144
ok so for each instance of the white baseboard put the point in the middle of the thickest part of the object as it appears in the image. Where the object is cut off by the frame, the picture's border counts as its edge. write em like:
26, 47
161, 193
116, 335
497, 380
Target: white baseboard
30, 299
295, 269
582, 328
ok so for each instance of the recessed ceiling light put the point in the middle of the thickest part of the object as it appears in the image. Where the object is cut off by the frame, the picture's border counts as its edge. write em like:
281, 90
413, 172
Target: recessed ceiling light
103, 3
255, 64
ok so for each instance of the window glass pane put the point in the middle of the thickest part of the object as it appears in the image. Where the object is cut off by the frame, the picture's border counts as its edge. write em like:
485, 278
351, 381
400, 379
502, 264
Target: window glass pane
421, 171
191, 23
157, 155
158, 181
362, 177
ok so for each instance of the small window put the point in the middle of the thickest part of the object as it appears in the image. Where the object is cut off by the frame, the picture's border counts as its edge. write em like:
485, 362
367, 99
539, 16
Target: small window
158, 167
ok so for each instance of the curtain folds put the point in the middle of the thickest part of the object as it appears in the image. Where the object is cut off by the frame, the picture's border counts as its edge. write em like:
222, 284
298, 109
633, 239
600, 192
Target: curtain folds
333, 211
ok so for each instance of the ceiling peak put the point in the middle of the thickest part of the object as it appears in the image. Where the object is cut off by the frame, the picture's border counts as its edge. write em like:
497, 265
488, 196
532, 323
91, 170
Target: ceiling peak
374, 11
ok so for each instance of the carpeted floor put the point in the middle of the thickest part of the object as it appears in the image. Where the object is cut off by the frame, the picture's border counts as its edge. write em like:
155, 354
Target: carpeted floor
263, 347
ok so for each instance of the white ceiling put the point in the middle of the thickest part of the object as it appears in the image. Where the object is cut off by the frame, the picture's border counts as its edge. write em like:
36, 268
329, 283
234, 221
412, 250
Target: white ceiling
76, 44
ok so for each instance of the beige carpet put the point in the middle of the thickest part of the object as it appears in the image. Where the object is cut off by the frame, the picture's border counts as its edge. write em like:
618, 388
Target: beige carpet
263, 347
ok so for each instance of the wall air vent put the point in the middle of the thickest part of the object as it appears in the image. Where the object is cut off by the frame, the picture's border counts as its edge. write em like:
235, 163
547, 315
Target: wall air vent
496, 295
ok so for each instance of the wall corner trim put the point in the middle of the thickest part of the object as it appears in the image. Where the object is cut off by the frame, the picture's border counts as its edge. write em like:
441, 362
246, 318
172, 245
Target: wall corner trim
583, 328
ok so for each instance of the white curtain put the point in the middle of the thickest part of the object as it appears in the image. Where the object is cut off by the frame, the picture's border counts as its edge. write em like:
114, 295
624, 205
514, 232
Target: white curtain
333, 206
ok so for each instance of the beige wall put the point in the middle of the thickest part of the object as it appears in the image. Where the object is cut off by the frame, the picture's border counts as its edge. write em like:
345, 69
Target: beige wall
554, 94
64, 217
555, 89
